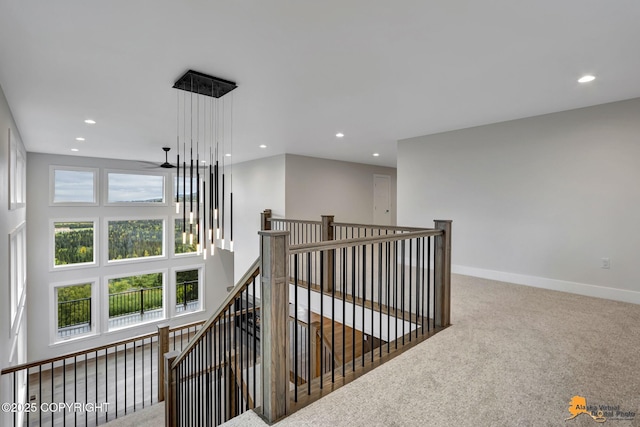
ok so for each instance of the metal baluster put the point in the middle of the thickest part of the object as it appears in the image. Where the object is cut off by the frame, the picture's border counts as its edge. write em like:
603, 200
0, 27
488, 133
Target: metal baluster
395, 291
295, 329
309, 323
402, 277
379, 297
353, 306
410, 279
344, 305
321, 317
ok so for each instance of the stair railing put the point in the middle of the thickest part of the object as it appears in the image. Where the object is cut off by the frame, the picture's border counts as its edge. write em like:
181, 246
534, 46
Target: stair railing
377, 296
98, 384
215, 377
389, 291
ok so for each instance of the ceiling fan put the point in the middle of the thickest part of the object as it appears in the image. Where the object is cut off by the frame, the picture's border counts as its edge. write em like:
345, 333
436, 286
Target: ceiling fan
165, 165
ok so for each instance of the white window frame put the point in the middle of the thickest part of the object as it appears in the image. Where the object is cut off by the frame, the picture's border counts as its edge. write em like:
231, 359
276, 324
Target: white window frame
17, 271
173, 239
173, 295
105, 299
52, 185
105, 239
52, 246
95, 310
107, 172
17, 172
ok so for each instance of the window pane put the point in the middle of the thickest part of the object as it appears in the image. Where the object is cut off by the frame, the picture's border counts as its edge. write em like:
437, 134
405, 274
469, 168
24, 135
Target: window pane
74, 310
179, 247
185, 185
73, 243
187, 296
133, 188
73, 186
135, 238
135, 299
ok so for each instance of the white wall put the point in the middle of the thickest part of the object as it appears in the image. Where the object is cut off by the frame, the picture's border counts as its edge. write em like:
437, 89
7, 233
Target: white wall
11, 336
537, 201
218, 272
257, 185
343, 189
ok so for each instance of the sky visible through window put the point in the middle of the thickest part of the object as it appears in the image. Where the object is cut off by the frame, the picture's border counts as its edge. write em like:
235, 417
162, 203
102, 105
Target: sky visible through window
130, 188
74, 186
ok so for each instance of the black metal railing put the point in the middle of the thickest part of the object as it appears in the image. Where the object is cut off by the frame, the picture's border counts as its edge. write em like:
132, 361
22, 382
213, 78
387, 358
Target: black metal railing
135, 301
74, 312
186, 293
215, 377
89, 387
301, 231
361, 295
371, 296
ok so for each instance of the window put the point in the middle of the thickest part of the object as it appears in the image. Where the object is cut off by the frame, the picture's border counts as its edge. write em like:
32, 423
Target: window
180, 248
17, 269
127, 188
75, 309
73, 186
17, 173
73, 243
135, 299
191, 184
135, 238
188, 290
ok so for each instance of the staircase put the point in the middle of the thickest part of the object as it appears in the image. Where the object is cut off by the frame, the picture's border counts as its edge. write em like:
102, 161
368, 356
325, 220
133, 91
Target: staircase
325, 303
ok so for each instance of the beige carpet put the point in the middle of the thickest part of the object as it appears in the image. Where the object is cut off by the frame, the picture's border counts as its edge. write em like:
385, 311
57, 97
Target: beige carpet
515, 356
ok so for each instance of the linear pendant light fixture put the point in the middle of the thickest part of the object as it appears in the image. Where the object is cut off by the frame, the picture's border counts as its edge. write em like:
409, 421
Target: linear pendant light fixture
203, 126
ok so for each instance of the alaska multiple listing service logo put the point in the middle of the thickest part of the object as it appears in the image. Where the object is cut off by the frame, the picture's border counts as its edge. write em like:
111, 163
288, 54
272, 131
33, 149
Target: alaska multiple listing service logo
599, 413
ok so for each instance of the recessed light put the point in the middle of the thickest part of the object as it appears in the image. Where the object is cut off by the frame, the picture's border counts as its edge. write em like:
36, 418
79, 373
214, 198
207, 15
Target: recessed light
339, 135
90, 122
228, 155
204, 161
74, 149
79, 138
586, 79
376, 154
263, 146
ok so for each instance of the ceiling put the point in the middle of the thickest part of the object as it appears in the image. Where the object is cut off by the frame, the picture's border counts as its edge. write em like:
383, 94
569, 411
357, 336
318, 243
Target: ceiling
376, 70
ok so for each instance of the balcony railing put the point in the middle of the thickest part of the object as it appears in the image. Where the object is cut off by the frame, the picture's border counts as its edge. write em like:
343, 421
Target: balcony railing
74, 317
330, 301
103, 383
135, 301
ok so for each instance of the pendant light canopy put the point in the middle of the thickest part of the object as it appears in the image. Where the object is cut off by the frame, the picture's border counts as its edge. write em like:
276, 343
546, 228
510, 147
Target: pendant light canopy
202, 126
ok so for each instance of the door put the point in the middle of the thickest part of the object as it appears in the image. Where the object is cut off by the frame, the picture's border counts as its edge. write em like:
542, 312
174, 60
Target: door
382, 199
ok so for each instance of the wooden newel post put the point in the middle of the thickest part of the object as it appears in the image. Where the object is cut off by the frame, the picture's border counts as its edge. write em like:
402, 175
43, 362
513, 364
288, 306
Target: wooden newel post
163, 347
327, 268
265, 216
274, 321
442, 315
171, 402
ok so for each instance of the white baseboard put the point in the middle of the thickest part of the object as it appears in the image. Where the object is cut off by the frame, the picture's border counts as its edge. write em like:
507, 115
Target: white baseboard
552, 284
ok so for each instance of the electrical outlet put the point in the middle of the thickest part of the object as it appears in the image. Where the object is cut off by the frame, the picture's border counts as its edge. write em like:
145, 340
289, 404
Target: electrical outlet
605, 263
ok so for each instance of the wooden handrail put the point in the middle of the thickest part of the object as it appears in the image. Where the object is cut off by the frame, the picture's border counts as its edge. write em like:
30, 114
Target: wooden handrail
295, 221
242, 284
337, 244
382, 227
29, 365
